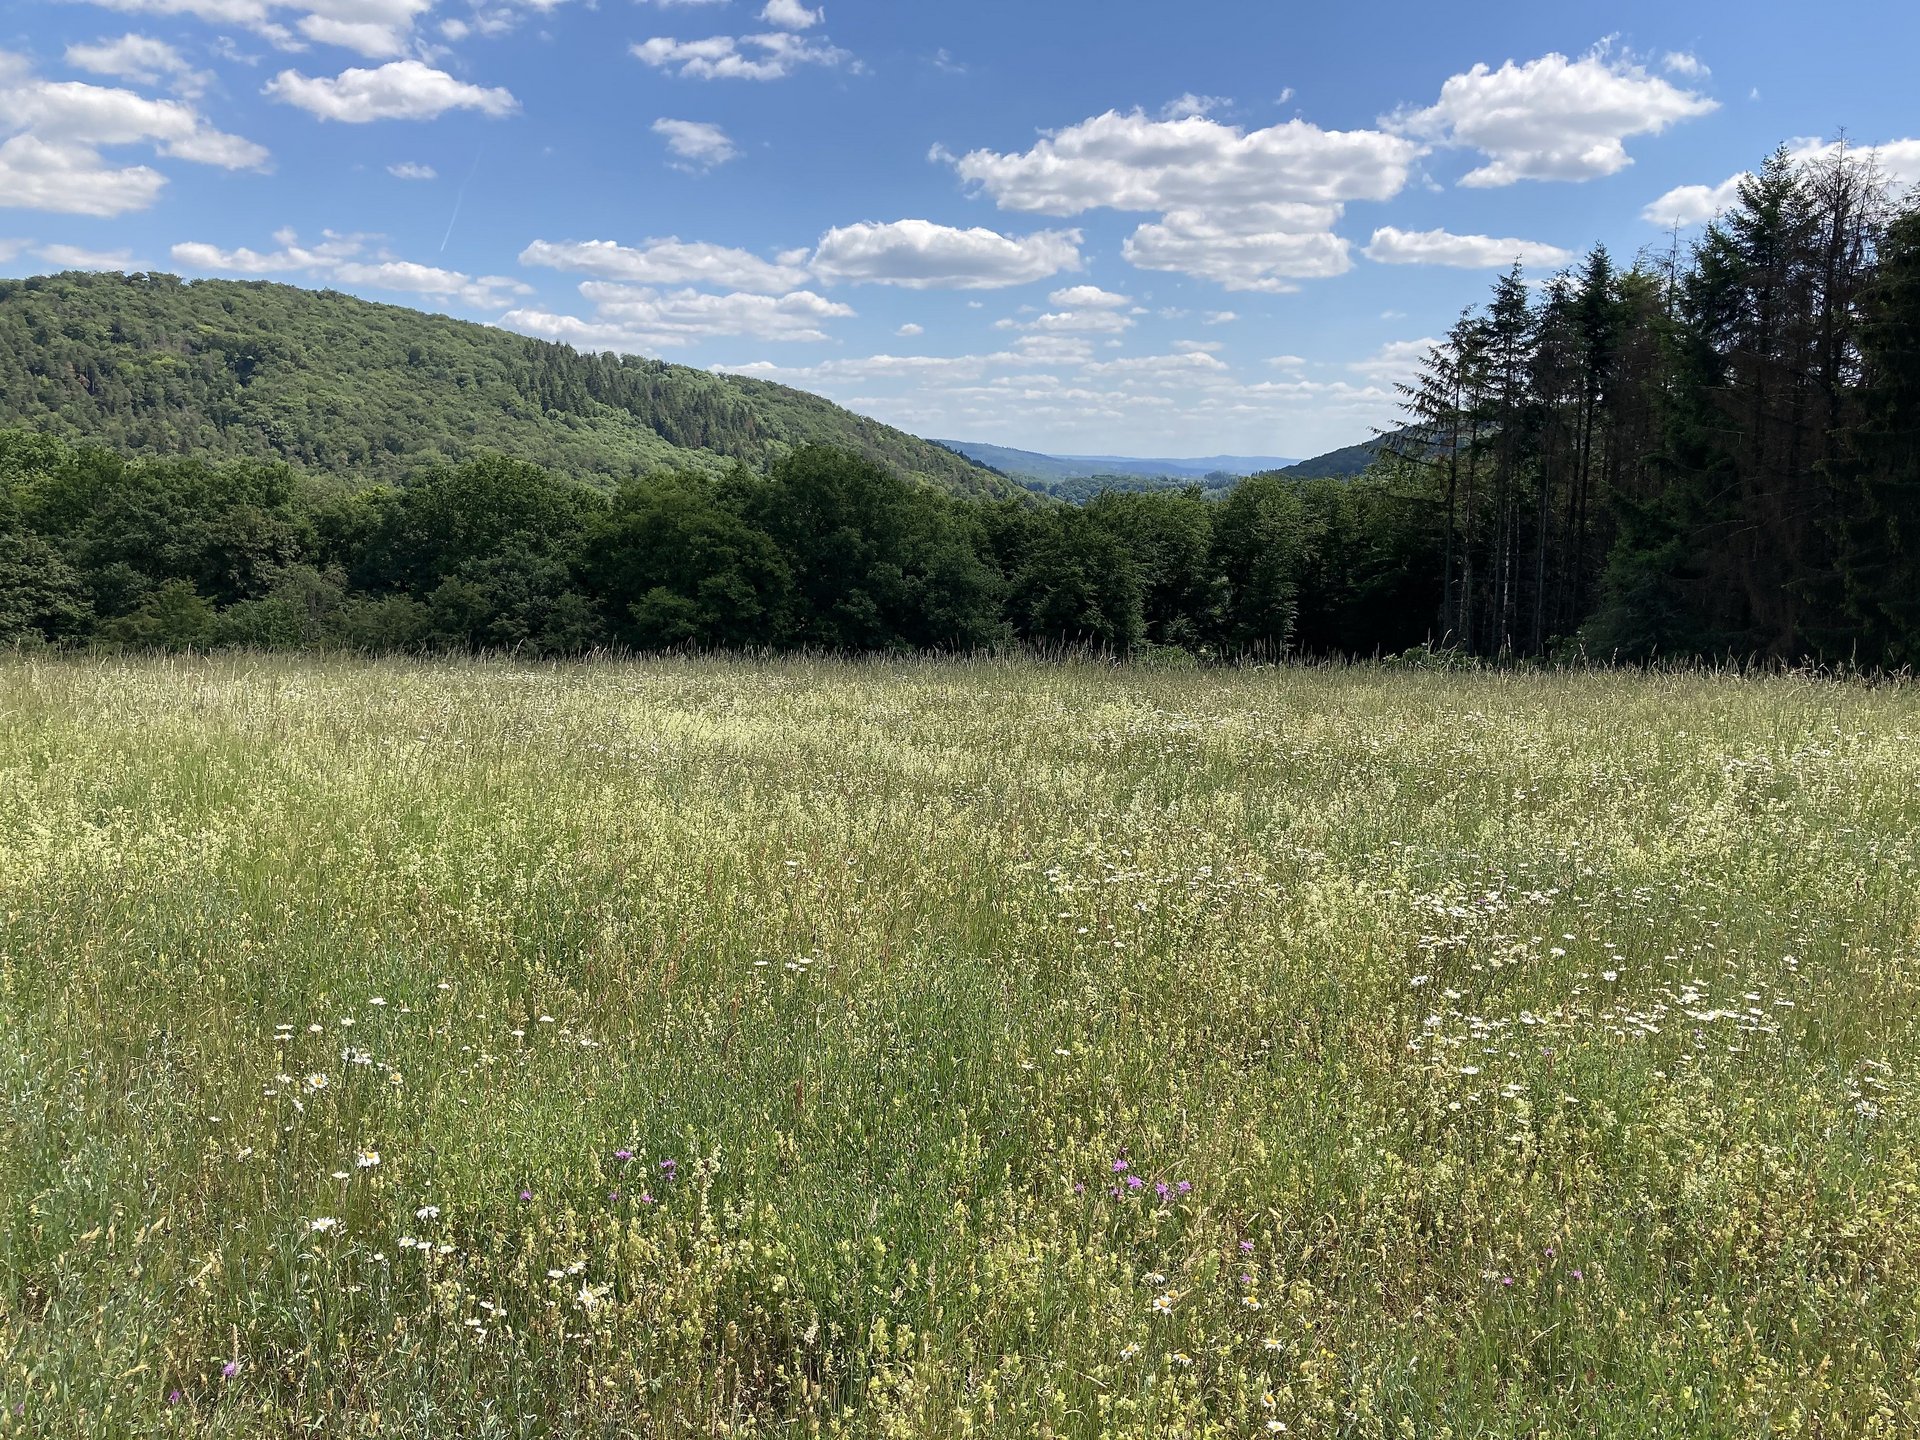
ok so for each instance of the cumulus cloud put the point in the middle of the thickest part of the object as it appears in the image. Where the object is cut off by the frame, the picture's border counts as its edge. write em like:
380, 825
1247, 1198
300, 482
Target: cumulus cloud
55, 132
1190, 104
696, 144
1896, 161
374, 28
1121, 161
73, 257
910, 331
1552, 118
1397, 362
1249, 210
1256, 248
1088, 297
1684, 63
1052, 392
402, 90
637, 319
921, 255
351, 260
142, 60
670, 262
791, 15
1089, 320
1393, 246
772, 56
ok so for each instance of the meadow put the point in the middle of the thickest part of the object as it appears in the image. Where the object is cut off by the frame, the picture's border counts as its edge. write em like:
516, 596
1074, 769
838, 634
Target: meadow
703, 1047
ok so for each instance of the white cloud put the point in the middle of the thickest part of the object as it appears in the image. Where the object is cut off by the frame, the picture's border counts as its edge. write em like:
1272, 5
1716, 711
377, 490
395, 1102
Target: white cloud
402, 90
1218, 317
921, 255
1088, 297
1551, 118
1127, 162
1248, 210
910, 331
1686, 205
54, 133
1259, 247
700, 145
670, 262
637, 319
1393, 246
374, 28
10, 249
141, 59
1203, 347
1093, 320
791, 15
412, 170
408, 277
346, 260
73, 257
1896, 161
1190, 104
1684, 63
772, 56
1396, 362
1050, 393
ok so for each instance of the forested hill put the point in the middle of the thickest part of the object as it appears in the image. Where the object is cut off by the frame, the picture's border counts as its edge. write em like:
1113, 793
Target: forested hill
149, 364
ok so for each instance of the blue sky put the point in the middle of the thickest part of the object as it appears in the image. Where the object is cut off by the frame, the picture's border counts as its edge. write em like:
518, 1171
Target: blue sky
1112, 227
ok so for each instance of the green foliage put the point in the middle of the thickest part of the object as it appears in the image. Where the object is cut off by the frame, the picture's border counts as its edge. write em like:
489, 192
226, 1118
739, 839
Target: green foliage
220, 369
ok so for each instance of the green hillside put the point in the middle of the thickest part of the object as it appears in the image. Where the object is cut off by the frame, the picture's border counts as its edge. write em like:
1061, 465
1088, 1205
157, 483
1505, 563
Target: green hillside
225, 369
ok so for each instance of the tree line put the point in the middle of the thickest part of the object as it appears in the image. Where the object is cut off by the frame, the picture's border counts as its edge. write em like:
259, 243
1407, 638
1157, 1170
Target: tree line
1702, 454
1715, 453
826, 550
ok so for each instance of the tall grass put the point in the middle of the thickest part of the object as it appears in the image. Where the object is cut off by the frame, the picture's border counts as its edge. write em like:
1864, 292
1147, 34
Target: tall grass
954, 1049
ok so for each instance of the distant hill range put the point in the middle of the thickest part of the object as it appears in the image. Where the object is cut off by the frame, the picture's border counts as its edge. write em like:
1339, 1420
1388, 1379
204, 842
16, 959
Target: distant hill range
225, 369
1079, 477
1029, 464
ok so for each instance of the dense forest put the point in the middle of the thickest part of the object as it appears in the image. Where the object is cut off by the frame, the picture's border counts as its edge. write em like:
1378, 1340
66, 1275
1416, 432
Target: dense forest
221, 369
1712, 453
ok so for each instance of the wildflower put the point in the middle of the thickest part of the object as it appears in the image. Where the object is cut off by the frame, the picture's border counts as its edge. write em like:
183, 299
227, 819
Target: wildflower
173, 1397
646, 1197
1184, 1186
230, 1369
1251, 1302
1276, 1427
1119, 1167
322, 1225
1134, 1182
1156, 1278
1163, 1304
317, 1080
427, 1212
1129, 1352
1246, 1247
623, 1155
376, 1000
526, 1195
407, 1242
1181, 1358
671, 1167
1160, 1189
366, 1159
1272, 1346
